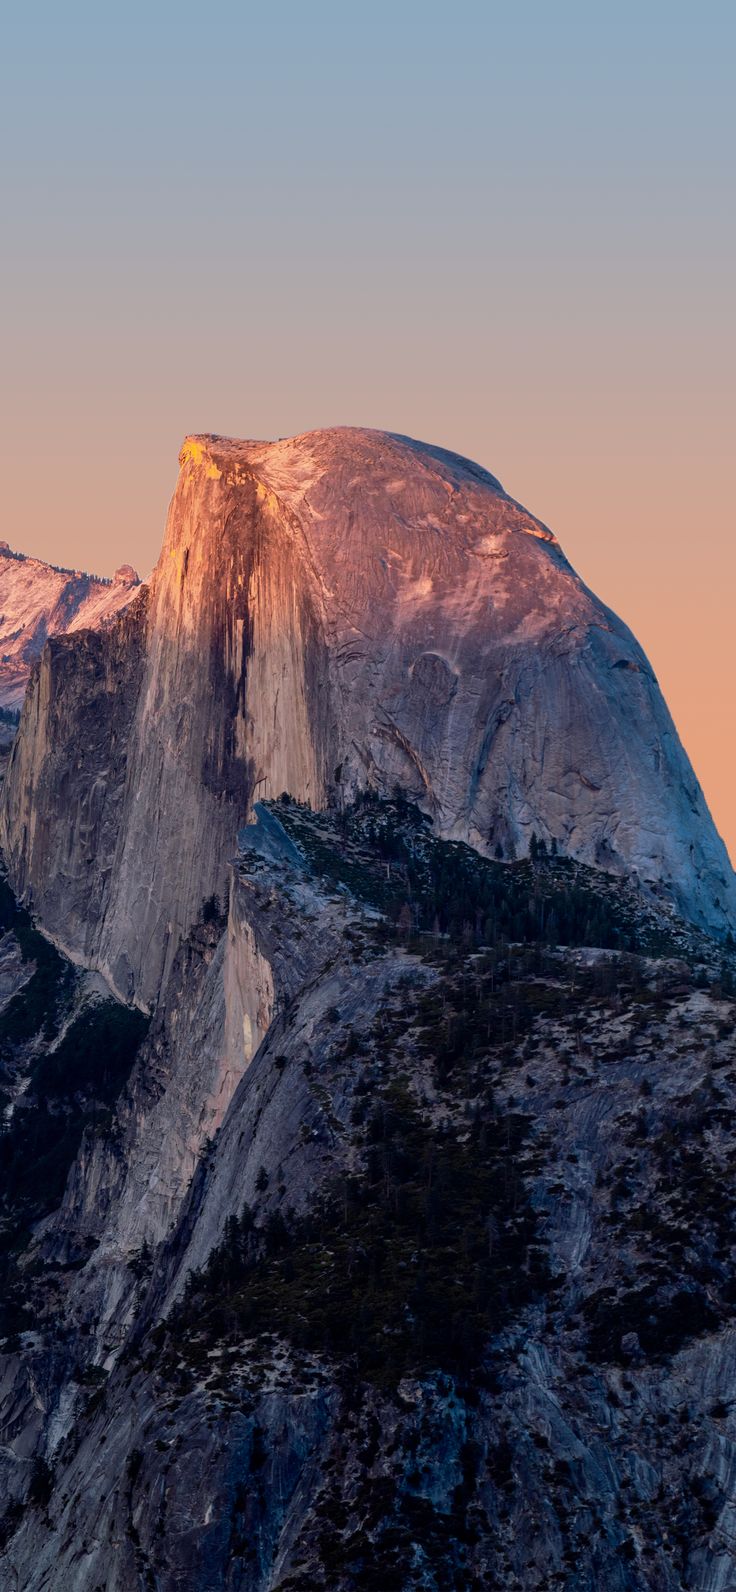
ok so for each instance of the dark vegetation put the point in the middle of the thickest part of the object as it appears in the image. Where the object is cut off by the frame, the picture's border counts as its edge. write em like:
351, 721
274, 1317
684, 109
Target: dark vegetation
416, 1260
214, 912
59, 569
400, 1536
416, 1263
661, 1318
67, 1088
39, 1007
408, 1268
680, 1217
72, 1086
385, 854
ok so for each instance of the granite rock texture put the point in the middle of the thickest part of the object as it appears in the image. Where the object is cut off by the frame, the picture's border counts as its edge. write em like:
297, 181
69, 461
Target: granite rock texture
37, 600
150, 1439
342, 609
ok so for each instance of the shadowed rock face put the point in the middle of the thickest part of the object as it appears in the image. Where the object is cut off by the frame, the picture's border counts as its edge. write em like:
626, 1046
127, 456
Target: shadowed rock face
325, 1098
335, 610
335, 1302
37, 601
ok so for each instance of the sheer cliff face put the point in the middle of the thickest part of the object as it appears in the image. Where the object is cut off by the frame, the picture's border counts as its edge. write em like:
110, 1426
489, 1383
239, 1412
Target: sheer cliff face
63, 796
37, 601
342, 609
416, 1283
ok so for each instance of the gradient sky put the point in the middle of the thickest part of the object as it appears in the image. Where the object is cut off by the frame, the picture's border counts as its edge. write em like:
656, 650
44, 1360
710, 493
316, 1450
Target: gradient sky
506, 228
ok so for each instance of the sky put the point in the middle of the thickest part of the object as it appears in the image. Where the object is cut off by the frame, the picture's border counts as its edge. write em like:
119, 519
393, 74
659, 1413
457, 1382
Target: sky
507, 228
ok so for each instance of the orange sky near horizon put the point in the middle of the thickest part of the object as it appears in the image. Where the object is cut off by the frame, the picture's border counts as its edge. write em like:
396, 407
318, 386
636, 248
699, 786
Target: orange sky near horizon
505, 230
638, 508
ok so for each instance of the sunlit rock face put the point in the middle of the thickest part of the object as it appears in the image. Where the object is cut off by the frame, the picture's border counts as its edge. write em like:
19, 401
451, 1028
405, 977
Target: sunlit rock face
38, 600
342, 609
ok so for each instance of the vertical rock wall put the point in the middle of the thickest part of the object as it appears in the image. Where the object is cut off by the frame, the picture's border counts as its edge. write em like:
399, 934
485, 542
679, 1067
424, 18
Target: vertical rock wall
341, 609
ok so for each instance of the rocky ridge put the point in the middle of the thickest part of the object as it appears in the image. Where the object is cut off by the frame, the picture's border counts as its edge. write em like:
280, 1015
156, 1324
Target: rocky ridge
338, 611
285, 1379
391, 1250
37, 600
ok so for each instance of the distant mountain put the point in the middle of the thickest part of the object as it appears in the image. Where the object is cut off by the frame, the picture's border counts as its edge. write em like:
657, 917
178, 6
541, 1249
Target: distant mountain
367, 1064
341, 610
38, 600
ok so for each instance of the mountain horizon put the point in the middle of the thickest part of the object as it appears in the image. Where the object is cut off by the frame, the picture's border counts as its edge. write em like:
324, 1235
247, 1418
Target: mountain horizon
367, 913
37, 600
328, 611
367, 1014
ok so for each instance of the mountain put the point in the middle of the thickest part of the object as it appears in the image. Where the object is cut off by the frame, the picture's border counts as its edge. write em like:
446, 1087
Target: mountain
340, 610
446, 1301
38, 600
381, 1235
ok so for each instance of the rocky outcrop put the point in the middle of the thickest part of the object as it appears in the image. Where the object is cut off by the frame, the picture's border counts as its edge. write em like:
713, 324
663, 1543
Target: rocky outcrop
427, 1135
232, 978
38, 600
342, 609
397, 1249
66, 777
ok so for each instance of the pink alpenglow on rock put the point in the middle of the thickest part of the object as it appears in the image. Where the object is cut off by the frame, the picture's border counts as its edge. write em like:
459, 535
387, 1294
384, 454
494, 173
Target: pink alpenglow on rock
37, 601
343, 609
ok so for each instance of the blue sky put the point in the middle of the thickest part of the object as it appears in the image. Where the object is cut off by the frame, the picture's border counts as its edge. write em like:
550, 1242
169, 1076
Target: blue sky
506, 228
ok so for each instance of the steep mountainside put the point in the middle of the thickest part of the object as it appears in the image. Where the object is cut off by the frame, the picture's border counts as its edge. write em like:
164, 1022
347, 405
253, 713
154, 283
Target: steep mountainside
447, 1301
336, 611
391, 1244
37, 601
